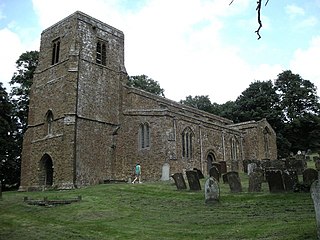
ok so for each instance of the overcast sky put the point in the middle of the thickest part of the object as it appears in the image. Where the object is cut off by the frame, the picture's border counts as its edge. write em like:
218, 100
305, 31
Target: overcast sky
191, 47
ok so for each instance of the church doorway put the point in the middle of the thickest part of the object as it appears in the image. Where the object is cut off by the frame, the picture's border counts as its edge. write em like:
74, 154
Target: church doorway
210, 160
46, 171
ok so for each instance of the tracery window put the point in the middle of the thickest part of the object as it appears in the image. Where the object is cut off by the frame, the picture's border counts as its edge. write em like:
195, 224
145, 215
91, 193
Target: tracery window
55, 51
187, 144
101, 53
144, 136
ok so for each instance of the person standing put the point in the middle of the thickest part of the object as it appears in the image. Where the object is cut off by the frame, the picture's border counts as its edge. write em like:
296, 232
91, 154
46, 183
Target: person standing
137, 173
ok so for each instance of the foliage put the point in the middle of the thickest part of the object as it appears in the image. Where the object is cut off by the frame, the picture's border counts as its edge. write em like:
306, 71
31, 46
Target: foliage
145, 83
298, 97
199, 102
21, 83
158, 211
9, 159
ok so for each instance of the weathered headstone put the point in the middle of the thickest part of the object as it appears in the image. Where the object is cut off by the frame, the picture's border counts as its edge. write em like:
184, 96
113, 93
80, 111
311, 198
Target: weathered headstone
193, 180
251, 168
225, 178
218, 166
214, 172
309, 176
234, 182
200, 174
223, 167
315, 194
179, 181
255, 181
275, 181
211, 191
290, 179
165, 172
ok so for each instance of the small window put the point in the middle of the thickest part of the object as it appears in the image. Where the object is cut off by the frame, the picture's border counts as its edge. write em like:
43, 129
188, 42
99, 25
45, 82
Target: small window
55, 51
187, 145
144, 136
101, 54
49, 120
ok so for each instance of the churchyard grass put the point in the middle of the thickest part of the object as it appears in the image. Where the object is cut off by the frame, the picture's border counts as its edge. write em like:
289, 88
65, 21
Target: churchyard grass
158, 211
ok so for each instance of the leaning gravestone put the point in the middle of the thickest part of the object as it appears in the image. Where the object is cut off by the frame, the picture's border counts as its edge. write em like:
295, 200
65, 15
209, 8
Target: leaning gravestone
255, 181
193, 180
179, 181
223, 165
200, 174
275, 181
234, 182
214, 172
315, 194
309, 176
290, 179
211, 191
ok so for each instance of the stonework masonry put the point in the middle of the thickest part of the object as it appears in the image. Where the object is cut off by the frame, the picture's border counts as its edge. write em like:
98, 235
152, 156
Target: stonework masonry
86, 125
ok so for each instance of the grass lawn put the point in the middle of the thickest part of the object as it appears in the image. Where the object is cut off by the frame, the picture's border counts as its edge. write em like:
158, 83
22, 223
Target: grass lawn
158, 211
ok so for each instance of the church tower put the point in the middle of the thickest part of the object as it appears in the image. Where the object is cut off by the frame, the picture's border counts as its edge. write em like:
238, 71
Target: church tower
75, 105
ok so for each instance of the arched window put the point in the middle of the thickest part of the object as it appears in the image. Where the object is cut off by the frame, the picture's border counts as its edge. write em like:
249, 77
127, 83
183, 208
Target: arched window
144, 136
234, 149
49, 121
187, 138
101, 53
55, 51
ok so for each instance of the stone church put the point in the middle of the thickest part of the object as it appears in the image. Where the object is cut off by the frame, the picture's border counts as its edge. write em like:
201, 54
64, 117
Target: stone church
86, 125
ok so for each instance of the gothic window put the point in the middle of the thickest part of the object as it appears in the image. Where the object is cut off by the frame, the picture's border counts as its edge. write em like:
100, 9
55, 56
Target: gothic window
234, 149
49, 121
187, 138
144, 136
55, 51
101, 53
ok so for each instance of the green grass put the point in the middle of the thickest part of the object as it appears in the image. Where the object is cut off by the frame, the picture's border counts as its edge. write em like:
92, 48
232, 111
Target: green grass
158, 211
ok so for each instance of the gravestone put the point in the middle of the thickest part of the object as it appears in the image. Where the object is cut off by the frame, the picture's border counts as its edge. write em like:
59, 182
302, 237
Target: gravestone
225, 178
315, 194
165, 172
290, 179
200, 174
275, 181
179, 181
211, 191
193, 180
245, 165
251, 168
223, 165
255, 181
234, 182
309, 176
214, 172
218, 166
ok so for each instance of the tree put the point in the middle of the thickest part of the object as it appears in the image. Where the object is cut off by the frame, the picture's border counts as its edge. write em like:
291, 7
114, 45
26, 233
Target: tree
199, 102
21, 83
9, 159
298, 97
258, 101
145, 83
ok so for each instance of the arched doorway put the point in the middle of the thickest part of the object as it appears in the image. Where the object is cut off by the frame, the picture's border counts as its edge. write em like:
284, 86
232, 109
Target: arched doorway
210, 160
46, 171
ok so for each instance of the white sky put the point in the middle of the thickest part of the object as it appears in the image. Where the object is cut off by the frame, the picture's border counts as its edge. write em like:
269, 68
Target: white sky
191, 47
